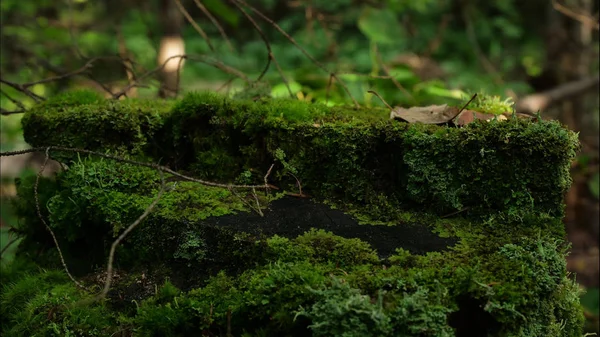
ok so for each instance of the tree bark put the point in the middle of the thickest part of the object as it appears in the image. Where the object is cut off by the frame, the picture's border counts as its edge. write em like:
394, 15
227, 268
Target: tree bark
171, 46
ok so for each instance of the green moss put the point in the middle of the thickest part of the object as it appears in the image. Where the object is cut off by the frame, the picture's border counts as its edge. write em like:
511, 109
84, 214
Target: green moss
520, 285
43, 303
506, 276
490, 104
127, 126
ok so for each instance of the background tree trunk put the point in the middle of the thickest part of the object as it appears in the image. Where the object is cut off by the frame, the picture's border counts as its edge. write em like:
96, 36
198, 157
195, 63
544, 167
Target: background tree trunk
171, 45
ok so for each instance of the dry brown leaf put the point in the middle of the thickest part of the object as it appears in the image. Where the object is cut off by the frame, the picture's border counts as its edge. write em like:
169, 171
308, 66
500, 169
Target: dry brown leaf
468, 116
432, 114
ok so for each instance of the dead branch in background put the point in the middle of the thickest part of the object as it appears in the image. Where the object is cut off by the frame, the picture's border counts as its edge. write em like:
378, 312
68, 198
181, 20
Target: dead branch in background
201, 58
584, 19
262, 36
124, 53
215, 23
270, 55
293, 41
541, 101
198, 29
15, 102
386, 70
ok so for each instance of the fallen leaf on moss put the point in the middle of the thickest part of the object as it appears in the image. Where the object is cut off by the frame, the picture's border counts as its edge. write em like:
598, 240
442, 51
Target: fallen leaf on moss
432, 114
469, 116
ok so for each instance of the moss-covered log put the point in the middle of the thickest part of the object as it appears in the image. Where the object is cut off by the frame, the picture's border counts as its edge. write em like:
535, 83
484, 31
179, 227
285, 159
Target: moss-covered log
368, 254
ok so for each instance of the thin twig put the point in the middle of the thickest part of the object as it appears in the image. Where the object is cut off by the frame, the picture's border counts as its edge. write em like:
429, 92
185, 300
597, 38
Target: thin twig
21, 88
387, 72
381, 98
71, 31
257, 203
5, 112
467, 104
113, 248
216, 23
262, 36
17, 103
39, 213
268, 174
133, 162
293, 41
584, 19
202, 58
8, 245
194, 24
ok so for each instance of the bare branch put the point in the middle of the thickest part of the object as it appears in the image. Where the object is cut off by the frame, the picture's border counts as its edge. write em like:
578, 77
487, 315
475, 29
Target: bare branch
5, 112
133, 162
310, 57
22, 89
17, 103
262, 36
201, 58
584, 19
189, 18
541, 101
113, 248
39, 213
216, 23
387, 72
10, 243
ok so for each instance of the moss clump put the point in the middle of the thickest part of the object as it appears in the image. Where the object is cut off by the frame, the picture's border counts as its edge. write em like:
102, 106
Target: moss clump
127, 126
43, 303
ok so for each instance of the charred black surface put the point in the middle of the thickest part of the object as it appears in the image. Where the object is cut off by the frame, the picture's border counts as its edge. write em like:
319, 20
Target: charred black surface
290, 217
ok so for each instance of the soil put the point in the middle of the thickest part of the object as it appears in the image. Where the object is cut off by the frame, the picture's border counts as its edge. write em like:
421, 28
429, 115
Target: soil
290, 217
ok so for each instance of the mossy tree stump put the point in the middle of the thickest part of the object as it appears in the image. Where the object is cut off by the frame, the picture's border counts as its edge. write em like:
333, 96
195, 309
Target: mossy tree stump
377, 228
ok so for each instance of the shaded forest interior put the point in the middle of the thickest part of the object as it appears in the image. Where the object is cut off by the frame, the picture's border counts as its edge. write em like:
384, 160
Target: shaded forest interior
541, 54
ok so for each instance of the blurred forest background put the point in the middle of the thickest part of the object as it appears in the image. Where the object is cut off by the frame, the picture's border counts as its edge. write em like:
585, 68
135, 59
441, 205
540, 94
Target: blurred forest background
543, 54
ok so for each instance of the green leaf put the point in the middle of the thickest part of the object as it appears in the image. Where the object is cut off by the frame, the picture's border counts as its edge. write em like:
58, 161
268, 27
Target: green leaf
380, 26
594, 185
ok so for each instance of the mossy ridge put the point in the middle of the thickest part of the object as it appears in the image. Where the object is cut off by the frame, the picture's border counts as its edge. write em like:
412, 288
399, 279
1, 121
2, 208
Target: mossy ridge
300, 285
122, 127
342, 155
